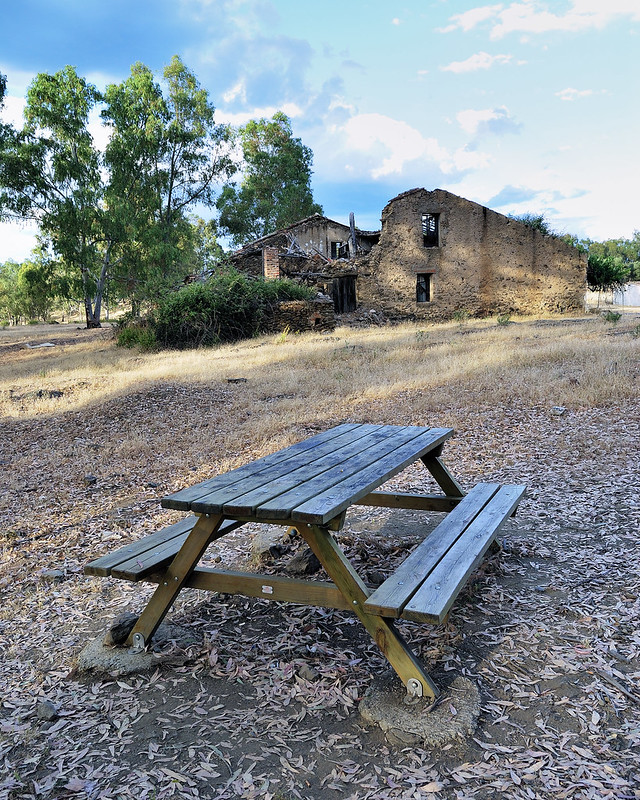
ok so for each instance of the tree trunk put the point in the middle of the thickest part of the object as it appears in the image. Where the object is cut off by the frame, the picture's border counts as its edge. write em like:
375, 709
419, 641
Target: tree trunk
92, 309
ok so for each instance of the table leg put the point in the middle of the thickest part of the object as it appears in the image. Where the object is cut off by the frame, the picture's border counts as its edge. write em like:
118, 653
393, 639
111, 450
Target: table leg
203, 532
391, 643
443, 477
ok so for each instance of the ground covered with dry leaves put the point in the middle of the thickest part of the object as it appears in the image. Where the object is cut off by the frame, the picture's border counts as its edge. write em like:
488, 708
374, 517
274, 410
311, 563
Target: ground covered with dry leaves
264, 703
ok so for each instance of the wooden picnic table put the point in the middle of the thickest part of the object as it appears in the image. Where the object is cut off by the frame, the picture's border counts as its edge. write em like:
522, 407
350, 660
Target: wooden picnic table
310, 486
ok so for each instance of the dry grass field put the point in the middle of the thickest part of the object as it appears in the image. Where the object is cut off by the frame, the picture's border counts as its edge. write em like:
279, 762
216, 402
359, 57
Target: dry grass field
264, 704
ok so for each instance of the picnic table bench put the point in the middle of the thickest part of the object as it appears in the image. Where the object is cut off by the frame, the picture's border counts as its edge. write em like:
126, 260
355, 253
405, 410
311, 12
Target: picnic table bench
310, 486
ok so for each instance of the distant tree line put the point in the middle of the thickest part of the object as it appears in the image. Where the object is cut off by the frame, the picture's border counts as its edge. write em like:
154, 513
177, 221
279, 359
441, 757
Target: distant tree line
120, 223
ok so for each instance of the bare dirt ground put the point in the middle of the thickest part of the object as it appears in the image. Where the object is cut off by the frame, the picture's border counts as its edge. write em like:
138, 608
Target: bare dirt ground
263, 704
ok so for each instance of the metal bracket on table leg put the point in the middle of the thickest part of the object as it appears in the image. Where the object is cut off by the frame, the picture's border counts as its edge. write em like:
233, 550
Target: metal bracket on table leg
139, 645
414, 688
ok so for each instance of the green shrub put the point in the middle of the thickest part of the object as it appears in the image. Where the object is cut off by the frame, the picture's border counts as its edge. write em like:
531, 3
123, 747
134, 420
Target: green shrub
504, 319
461, 316
134, 332
228, 307
612, 316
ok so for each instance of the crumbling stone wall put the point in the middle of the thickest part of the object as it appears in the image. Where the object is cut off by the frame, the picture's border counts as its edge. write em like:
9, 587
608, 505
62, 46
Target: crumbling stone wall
484, 263
304, 315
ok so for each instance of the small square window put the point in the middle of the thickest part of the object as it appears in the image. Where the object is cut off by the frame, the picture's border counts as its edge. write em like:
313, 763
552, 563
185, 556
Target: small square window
339, 249
424, 287
430, 230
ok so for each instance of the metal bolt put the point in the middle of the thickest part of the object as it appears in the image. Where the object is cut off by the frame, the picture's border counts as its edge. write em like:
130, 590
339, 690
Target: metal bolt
355, 602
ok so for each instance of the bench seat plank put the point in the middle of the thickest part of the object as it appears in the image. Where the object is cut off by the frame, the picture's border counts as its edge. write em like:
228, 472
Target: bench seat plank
135, 561
435, 597
182, 500
391, 597
328, 504
102, 566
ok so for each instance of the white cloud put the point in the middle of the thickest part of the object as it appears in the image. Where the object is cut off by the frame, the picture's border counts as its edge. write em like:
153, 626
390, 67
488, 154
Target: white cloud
533, 16
573, 94
237, 92
469, 19
475, 62
487, 120
292, 110
396, 21
464, 159
394, 142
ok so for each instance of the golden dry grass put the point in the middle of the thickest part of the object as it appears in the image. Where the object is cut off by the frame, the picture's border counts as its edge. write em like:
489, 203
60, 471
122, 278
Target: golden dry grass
86, 406
294, 379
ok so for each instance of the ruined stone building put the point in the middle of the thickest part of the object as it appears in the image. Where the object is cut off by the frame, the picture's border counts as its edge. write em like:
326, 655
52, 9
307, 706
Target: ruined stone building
436, 254
317, 251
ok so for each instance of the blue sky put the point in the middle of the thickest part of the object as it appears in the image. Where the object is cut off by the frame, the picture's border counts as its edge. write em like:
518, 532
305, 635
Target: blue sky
525, 106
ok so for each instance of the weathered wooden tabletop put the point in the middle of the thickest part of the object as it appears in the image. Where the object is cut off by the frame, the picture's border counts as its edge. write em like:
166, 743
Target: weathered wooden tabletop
315, 480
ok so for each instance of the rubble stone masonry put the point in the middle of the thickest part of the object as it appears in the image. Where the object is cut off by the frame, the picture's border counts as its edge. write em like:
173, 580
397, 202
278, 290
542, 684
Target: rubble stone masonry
482, 263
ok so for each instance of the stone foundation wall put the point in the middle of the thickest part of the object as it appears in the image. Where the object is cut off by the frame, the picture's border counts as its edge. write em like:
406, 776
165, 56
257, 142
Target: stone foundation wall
484, 263
304, 315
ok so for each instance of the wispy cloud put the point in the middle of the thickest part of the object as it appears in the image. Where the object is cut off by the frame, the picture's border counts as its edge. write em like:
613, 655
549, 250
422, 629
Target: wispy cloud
574, 94
534, 16
512, 195
487, 120
475, 62
469, 19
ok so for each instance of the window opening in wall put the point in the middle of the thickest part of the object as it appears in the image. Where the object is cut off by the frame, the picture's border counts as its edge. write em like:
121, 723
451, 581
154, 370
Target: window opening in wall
424, 287
430, 230
339, 249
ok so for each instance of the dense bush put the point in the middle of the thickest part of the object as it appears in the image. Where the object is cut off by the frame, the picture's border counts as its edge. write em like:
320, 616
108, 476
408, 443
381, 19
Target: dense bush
228, 307
132, 331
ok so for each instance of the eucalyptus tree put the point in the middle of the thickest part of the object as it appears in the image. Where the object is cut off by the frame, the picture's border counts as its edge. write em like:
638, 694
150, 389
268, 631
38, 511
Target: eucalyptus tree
166, 155
50, 173
276, 186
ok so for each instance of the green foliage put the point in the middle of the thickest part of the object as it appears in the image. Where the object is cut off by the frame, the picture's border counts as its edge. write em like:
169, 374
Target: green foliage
537, 222
276, 187
625, 254
165, 155
612, 316
606, 272
228, 307
50, 173
141, 336
504, 319
460, 316
208, 254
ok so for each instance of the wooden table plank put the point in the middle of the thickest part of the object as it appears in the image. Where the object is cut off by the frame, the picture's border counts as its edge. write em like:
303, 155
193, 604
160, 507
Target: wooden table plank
390, 598
182, 500
435, 597
338, 498
241, 498
276, 499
